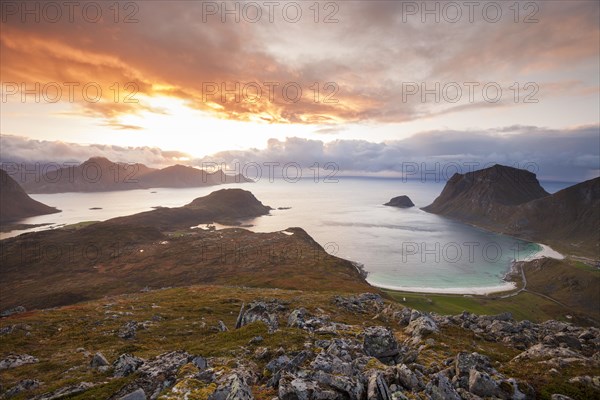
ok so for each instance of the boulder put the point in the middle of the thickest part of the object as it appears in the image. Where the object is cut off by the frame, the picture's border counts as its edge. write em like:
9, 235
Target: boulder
234, 387
379, 342
481, 384
99, 361
23, 386
156, 374
258, 311
126, 364
440, 388
408, 379
66, 392
135, 395
377, 388
421, 326
464, 363
12, 311
16, 360
128, 330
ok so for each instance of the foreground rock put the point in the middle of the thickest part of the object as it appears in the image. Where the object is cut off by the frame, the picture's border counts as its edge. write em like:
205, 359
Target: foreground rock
16, 360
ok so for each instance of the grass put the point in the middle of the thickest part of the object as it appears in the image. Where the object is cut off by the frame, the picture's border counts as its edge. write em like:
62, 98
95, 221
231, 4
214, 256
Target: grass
524, 306
185, 319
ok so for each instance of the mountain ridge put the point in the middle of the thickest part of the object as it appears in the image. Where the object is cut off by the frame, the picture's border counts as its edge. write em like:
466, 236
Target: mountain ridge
511, 201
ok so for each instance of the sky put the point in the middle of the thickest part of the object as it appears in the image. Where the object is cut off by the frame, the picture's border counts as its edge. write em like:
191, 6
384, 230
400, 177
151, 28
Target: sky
371, 86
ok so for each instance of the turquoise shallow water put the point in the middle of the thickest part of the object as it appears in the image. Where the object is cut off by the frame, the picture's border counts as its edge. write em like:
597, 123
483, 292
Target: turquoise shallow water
400, 248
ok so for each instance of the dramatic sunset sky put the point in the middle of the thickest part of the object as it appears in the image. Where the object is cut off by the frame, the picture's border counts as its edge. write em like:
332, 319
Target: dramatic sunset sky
367, 55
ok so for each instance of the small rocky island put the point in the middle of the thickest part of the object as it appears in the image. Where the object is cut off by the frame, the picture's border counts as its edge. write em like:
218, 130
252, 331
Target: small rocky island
401, 202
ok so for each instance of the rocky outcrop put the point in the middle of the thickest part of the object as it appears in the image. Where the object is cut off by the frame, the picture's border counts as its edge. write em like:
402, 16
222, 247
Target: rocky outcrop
259, 311
16, 360
400, 202
126, 365
379, 342
156, 374
358, 362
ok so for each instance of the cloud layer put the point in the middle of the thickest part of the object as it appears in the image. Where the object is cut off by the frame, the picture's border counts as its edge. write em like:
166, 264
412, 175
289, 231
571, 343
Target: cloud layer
567, 155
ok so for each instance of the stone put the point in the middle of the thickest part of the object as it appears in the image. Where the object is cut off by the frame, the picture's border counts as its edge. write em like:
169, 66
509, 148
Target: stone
481, 384
379, 342
421, 326
200, 362
221, 326
67, 391
259, 311
99, 361
128, 330
440, 388
408, 379
12, 311
557, 396
126, 364
23, 386
377, 388
234, 387
465, 362
16, 360
136, 395
157, 374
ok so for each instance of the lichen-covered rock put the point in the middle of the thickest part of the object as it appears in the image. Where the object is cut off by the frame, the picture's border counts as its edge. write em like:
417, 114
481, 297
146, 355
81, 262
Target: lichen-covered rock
421, 326
99, 361
440, 388
16, 360
126, 364
379, 342
23, 386
481, 384
258, 311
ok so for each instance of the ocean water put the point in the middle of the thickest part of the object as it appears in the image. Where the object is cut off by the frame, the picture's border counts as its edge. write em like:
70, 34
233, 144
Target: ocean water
406, 249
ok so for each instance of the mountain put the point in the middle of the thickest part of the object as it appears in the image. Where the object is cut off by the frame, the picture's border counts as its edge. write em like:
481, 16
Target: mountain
570, 218
486, 197
511, 201
181, 176
98, 174
227, 206
15, 204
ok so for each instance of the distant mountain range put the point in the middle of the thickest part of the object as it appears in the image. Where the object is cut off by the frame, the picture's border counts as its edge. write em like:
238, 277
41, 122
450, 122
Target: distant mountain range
511, 201
98, 174
15, 204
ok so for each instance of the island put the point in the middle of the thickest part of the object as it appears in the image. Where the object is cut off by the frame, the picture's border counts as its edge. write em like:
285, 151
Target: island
400, 202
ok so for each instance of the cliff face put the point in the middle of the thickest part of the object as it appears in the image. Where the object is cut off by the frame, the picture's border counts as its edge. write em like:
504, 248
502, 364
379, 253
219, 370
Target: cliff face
15, 204
486, 197
511, 201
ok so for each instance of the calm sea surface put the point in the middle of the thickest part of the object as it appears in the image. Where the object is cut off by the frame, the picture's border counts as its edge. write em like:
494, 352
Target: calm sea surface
400, 248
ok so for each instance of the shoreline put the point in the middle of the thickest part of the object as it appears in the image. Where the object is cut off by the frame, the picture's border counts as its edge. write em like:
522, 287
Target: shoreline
508, 286
476, 290
546, 251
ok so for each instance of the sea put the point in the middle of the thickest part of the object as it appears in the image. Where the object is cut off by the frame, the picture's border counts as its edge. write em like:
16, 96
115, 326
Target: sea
404, 249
